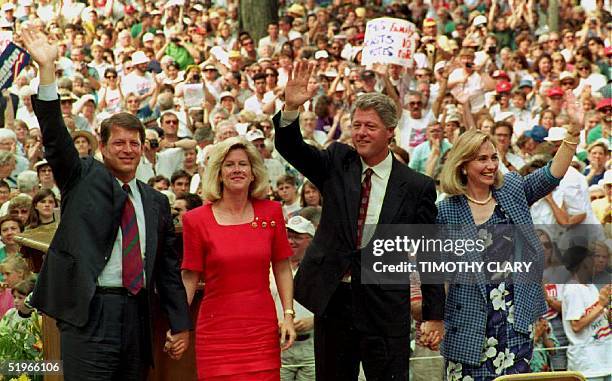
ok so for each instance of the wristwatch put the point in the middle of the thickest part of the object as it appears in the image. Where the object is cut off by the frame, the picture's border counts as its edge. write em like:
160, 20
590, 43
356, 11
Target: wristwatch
289, 311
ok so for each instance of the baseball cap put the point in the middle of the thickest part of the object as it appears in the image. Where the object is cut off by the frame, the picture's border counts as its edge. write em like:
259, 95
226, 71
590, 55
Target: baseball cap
139, 58
368, 74
301, 225
525, 83
537, 133
148, 37
503, 87
439, 65
321, 54
479, 20
226, 94
500, 74
234, 54
607, 102
556, 134
555, 91
429, 22
254, 135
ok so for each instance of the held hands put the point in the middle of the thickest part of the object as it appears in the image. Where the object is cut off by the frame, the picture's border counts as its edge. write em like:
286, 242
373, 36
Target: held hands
297, 90
287, 332
176, 344
432, 332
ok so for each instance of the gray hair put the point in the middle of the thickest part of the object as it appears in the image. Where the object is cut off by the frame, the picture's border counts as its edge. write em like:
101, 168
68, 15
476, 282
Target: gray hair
383, 105
165, 102
26, 181
412, 93
7, 157
5, 133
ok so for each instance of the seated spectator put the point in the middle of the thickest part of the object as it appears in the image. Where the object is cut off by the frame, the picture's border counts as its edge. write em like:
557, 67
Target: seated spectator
42, 210
22, 324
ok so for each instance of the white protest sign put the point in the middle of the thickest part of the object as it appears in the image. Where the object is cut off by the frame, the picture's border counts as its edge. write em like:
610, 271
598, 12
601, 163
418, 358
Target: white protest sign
389, 40
193, 94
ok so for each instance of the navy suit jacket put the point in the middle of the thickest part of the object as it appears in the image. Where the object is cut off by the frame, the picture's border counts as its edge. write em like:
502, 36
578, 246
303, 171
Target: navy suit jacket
465, 317
92, 203
379, 309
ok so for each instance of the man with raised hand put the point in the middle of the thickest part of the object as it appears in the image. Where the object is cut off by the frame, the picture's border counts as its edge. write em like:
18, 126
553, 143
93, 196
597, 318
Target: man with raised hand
361, 186
113, 247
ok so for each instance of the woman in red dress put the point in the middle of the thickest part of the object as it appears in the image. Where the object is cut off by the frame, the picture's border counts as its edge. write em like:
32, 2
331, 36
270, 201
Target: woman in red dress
230, 243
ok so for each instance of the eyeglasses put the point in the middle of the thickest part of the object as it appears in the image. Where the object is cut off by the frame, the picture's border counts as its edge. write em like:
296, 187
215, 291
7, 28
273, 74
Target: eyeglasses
567, 83
171, 121
415, 103
583, 68
247, 43
111, 76
271, 75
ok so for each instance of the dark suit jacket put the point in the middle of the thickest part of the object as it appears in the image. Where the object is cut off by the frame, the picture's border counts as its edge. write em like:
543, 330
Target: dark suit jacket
409, 199
92, 203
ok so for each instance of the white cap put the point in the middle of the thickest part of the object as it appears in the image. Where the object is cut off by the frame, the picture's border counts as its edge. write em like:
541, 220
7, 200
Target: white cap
148, 37
26, 3
8, 7
340, 87
556, 134
224, 95
321, 54
301, 225
294, 35
331, 73
452, 117
139, 58
439, 65
479, 20
26, 91
254, 135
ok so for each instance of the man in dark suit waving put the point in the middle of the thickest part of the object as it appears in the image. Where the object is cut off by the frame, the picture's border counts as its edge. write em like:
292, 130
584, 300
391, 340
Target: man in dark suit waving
361, 186
112, 249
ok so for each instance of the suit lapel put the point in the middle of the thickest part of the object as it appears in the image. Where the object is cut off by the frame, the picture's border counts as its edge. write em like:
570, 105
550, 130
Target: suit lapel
352, 187
468, 226
150, 212
394, 195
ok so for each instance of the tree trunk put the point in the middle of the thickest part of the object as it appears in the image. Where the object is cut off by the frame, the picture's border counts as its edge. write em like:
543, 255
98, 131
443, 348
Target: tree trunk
553, 15
255, 15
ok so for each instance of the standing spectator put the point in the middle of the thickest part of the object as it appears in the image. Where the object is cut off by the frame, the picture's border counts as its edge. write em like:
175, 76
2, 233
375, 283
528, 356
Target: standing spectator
586, 317
298, 361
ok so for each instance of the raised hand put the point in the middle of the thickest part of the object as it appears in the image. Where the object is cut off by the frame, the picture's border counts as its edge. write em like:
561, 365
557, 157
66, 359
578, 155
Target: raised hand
297, 90
42, 50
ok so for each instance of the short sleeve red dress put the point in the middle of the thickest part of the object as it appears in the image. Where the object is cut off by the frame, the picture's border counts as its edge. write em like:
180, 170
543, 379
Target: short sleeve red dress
237, 328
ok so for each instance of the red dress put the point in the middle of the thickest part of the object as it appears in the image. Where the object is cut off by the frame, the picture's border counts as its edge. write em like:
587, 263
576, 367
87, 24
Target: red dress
237, 328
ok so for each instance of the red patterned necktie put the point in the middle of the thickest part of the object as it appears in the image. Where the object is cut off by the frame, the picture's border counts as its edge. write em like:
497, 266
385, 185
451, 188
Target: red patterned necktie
131, 259
366, 187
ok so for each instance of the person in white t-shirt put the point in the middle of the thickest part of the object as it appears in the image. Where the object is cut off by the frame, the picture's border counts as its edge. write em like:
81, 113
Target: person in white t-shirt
466, 84
139, 81
287, 191
256, 102
586, 318
413, 122
298, 361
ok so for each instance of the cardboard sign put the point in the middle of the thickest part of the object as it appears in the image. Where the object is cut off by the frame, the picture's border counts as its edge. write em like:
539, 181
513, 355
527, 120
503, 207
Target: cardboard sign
389, 40
12, 61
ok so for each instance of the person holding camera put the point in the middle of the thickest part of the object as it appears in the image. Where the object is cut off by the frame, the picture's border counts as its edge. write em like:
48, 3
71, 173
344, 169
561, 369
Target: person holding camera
469, 85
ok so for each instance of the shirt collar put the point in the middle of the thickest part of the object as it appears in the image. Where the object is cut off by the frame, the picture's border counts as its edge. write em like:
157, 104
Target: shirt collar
382, 169
132, 184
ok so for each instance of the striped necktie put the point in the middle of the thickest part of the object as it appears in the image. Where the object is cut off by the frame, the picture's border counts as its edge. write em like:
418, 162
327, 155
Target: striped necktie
132, 266
366, 186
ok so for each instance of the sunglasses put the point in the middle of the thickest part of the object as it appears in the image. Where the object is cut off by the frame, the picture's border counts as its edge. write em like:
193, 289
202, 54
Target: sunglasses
415, 103
111, 76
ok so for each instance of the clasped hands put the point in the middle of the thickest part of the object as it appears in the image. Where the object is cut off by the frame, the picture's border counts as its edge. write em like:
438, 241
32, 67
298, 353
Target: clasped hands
432, 333
176, 344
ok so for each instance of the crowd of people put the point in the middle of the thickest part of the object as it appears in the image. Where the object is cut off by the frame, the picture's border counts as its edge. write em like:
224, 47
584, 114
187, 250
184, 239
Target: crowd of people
503, 117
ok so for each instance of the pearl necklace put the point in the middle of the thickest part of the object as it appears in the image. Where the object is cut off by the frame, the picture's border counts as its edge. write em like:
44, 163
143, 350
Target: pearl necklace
486, 201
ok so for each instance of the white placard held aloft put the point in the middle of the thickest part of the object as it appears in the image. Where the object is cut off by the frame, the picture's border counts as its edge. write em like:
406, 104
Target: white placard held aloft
389, 40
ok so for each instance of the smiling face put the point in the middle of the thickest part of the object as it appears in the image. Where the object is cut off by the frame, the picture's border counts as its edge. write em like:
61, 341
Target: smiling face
370, 136
481, 171
236, 172
122, 152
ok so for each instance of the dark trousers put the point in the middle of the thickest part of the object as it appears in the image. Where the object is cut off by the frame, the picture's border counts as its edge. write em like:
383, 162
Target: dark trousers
339, 347
114, 343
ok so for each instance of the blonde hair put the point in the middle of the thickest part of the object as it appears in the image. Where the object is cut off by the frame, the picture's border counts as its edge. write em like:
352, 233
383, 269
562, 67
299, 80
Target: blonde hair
452, 180
212, 186
16, 264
